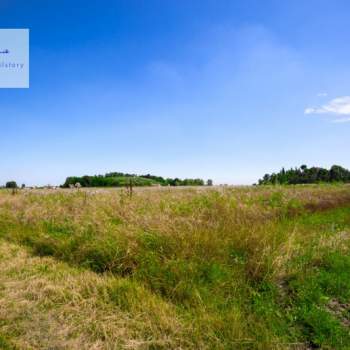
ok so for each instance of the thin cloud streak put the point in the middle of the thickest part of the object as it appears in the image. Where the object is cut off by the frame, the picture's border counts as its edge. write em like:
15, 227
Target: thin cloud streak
342, 120
337, 106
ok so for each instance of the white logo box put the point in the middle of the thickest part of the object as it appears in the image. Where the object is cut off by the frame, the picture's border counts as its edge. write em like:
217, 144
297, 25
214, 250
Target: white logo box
14, 58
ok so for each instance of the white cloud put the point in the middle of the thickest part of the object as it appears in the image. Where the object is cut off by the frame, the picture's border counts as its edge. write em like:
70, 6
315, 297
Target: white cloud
342, 120
309, 110
322, 94
337, 106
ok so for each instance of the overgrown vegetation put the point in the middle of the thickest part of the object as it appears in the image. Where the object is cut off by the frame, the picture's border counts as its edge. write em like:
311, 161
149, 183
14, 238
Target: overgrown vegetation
122, 180
305, 175
244, 268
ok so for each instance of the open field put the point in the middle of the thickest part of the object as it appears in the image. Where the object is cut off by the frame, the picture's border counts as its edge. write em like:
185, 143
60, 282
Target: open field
184, 268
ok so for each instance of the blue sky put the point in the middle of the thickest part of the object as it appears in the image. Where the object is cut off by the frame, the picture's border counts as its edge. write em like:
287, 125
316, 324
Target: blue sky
227, 90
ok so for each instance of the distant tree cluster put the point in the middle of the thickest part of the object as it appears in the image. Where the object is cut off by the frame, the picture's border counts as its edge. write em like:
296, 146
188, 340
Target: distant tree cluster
11, 184
305, 175
117, 179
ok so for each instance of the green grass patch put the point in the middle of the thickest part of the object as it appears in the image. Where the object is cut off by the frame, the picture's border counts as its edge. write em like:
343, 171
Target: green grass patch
250, 270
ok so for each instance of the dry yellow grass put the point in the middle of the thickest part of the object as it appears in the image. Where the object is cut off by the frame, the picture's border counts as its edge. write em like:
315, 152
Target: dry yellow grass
48, 305
216, 268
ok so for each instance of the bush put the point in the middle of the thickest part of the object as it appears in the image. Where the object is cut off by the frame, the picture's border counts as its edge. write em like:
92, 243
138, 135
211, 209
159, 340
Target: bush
11, 184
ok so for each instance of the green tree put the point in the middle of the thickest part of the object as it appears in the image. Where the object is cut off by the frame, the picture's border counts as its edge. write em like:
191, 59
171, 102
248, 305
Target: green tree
305, 175
11, 184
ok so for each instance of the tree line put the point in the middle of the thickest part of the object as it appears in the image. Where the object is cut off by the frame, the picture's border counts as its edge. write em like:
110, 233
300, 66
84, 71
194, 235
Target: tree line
117, 179
305, 175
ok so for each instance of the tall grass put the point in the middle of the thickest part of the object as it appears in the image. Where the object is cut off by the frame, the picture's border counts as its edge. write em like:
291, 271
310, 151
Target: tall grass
237, 265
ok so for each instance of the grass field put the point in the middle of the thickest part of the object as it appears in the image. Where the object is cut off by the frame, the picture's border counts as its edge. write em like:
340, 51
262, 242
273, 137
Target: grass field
209, 268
